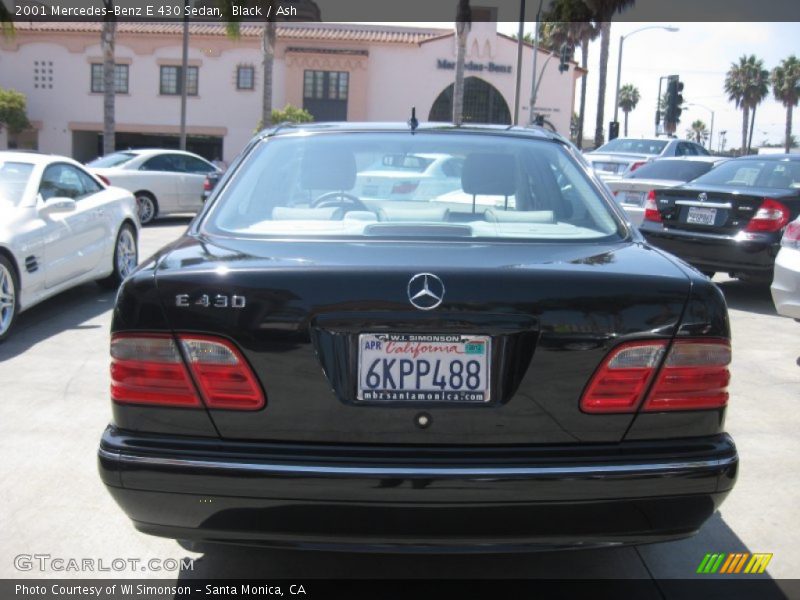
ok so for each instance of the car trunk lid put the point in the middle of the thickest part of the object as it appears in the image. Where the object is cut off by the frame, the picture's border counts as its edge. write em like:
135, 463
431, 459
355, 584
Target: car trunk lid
549, 312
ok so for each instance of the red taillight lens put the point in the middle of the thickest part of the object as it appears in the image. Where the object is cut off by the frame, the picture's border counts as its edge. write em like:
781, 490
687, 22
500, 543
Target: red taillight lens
694, 376
224, 378
104, 179
207, 184
636, 165
770, 216
651, 212
791, 237
405, 187
622, 379
149, 369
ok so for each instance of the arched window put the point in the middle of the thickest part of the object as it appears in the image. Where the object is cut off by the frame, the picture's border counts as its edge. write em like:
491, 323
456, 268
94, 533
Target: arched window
482, 104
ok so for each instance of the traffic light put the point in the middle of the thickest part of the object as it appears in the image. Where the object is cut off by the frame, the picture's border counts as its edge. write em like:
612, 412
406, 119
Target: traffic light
564, 64
674, 100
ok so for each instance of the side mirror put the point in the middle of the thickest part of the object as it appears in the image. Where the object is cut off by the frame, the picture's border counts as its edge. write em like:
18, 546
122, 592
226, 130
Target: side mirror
57, 205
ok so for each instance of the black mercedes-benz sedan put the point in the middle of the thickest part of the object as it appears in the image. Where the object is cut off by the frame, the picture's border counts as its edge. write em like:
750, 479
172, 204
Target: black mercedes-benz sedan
495, 361
731, 219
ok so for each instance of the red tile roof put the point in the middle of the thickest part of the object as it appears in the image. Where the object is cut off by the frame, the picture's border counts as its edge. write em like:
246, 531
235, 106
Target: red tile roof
355, 32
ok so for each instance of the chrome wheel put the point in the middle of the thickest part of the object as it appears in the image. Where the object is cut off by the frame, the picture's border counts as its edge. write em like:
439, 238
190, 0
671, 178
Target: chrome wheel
127, 256
147, 208
8, 298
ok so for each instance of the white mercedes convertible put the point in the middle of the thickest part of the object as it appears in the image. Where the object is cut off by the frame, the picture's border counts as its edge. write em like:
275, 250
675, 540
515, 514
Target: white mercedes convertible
60, 226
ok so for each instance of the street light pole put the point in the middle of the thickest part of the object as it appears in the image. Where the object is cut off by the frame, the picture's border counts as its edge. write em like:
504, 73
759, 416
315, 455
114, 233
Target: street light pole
711, 133
520, 44
532, 116
670, 28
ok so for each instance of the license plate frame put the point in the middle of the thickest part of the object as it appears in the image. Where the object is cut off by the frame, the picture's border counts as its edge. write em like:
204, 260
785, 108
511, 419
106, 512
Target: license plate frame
440, 351
633, 198
698, 215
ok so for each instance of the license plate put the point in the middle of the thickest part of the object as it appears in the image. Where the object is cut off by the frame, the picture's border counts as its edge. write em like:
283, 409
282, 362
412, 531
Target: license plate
701, 216
395, 367
635, 198
607, 167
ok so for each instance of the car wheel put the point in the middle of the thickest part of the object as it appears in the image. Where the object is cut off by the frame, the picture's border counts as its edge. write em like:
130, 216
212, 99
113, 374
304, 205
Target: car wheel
147, 207
126, 257
8, 297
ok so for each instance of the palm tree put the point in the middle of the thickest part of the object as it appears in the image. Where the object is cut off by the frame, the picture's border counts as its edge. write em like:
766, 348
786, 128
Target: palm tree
746, 86
463, 21
628, 99
697, 132
582, 31
602, 13
268, 36
786, 89
107, 43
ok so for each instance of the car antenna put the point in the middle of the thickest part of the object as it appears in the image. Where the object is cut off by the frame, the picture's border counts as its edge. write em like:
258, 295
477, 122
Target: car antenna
412, 122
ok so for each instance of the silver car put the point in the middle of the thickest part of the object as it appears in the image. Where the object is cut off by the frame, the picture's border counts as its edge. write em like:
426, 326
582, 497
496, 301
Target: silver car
786, 283
632, 190
621, 156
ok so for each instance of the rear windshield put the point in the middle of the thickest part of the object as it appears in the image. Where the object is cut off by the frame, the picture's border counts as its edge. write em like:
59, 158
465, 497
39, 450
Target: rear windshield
325, 185
634, 146
675, 170
779, 174
14, 177
111, 160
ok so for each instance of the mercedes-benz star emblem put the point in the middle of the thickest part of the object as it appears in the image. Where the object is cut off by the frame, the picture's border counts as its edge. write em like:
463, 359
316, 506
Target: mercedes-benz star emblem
425, 291
702, 197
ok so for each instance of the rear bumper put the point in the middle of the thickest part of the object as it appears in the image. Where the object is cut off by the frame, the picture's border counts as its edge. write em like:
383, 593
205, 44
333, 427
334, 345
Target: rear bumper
753, 255
786, 283
415, 499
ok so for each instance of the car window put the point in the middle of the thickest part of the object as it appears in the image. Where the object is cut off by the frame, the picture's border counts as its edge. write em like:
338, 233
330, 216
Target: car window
62, 181
452, 167
195, 165
111, 160
509, 188
780, 174
701, 151
90, 186
14, 178
676, 170
163, 162
634, 146
685, 149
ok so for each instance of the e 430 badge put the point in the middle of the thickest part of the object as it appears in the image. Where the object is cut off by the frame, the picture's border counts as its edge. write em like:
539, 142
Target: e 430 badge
211, 301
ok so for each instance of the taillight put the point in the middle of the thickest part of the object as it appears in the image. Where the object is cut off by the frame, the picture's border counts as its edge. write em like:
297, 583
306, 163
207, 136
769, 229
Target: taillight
207, 185
636, 165
224, 378
621, 381
104, 179
651, 212
405, 187
150, 369
791, 237
694, 376
770, 216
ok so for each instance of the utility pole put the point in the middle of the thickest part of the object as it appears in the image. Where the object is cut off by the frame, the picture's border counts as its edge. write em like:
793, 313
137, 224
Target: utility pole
532, 115
184, 70
520, 44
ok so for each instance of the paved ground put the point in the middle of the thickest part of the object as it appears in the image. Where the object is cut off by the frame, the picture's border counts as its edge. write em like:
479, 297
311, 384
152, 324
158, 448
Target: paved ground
53, 387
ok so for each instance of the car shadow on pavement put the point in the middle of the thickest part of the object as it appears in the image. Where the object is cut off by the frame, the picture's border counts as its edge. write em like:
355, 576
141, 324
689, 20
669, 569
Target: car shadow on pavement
65, 311
747, 296
667, 565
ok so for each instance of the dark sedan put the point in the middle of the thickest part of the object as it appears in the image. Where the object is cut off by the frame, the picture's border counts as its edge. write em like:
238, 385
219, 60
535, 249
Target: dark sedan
731, 219
507, 367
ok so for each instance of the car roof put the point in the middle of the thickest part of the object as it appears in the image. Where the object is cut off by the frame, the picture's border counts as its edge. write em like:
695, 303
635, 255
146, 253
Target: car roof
702, 158
154, 151
512, 130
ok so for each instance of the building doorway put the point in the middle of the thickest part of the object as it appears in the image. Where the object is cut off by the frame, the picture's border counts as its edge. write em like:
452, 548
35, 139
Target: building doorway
483, 103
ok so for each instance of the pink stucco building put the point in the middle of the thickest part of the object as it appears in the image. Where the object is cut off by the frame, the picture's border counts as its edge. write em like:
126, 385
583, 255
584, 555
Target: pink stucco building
348, 72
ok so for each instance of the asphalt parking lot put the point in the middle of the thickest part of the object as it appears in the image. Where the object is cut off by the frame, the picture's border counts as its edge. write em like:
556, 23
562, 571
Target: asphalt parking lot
53, 385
